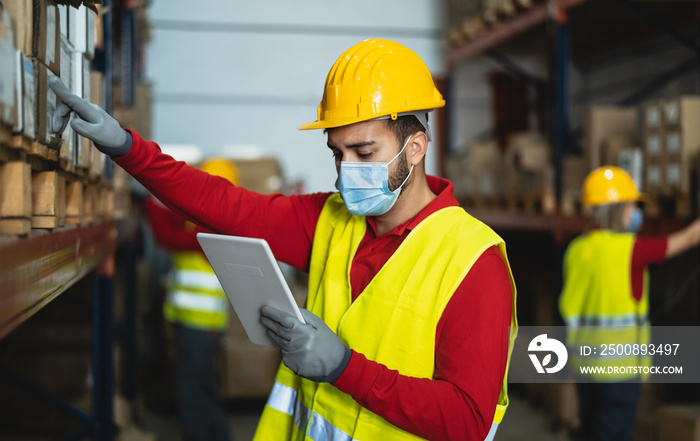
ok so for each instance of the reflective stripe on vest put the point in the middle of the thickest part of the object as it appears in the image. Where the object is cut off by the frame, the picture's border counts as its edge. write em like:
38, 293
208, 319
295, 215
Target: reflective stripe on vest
392, 322
284, 399
196, 301
200, 279
629, 319
195, 297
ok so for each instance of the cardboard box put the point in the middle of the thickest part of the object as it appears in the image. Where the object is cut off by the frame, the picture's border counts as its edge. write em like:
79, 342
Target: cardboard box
69, 137
247, 370
613, 144
84, 27
600, 123
681, 111
15, 190
8, 71
81, 87
679, 422
26, 97
652, 119
22, 12
528, 151
39, 31
654, 176
653, 146
46, 103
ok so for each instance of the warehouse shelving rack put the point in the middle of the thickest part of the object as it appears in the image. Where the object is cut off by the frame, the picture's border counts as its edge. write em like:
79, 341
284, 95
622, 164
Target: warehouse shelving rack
556, 13
37, 268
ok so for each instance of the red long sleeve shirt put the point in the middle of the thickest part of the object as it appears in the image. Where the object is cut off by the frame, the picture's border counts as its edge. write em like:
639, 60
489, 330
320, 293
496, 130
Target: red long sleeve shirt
471, 345
646, 250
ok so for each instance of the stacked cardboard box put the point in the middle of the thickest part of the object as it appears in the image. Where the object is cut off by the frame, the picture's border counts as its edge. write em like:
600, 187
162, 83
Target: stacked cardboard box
607, 130
671, 143
68, 181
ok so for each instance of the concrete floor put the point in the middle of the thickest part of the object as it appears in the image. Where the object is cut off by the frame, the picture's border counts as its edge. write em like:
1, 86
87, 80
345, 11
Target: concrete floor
521, 423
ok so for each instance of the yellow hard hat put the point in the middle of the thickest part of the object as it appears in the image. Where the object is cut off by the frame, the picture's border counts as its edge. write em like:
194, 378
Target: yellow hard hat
223, 168
609, 185
375, 78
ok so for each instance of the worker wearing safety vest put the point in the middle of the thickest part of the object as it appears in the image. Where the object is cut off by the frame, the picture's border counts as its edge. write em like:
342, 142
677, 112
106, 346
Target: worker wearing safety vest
198, 309
605, 301
410, 314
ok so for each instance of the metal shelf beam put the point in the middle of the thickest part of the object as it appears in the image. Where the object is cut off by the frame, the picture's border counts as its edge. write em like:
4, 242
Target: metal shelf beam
36, 269
504, 31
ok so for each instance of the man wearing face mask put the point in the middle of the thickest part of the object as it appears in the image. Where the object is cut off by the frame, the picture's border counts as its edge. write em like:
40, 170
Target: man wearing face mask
605, 298
410, 314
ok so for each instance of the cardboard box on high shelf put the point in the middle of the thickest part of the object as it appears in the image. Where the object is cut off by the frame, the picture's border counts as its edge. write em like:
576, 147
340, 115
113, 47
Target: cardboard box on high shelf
681, 111
69, 137
681, 144
46, 102
654, 176
85, 32
81, 87
28, 101
262, 175
143, 106
602, 121
39, 34
613, 144
9, 114
528, 151
485, 168
97, 158
679, 422
653, 146
652, 116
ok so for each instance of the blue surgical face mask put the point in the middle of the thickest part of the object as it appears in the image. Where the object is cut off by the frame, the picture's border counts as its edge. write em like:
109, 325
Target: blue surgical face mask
364, 186
635, 221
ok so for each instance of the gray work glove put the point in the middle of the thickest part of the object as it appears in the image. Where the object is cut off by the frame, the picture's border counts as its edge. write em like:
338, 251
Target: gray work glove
311, 350
92, 122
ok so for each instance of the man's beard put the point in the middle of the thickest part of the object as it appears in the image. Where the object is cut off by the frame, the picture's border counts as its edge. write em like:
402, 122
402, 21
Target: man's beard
400, 174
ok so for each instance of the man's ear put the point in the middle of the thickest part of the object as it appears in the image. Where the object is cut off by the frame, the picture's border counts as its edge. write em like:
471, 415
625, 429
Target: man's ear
417, 148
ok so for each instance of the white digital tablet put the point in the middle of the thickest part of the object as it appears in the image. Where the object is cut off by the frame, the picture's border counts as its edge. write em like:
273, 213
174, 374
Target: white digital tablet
251, 278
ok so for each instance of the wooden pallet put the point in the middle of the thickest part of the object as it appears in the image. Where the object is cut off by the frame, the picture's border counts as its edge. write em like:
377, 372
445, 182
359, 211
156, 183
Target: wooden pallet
36, 191
673, 205
493, 14
532, 203
496, 202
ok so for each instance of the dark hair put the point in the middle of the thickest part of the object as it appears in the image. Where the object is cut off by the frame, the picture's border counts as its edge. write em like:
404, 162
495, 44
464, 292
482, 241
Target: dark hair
403, 127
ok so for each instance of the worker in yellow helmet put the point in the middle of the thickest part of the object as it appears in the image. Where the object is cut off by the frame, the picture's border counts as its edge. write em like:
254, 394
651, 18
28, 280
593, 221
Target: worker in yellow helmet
605, 300
197, 308
410, 314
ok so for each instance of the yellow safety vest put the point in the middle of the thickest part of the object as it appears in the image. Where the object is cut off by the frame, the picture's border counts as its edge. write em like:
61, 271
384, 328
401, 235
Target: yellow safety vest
598, 307
195, 297
393, 321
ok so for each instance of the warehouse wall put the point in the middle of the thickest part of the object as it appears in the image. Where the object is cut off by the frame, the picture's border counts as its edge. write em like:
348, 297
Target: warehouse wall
243, 76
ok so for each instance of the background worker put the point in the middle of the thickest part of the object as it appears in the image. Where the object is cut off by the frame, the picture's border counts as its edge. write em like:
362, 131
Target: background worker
197, 308
606, 286
411, 302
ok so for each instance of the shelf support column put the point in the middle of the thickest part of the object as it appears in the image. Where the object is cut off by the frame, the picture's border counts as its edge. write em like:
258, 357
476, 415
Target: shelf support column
102, 353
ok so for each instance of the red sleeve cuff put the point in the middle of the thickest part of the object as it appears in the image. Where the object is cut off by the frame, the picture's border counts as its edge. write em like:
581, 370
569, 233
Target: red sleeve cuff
137, 159
358, 377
